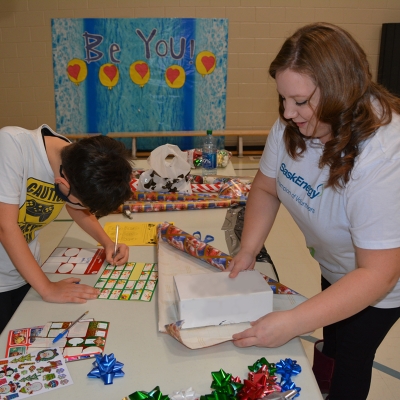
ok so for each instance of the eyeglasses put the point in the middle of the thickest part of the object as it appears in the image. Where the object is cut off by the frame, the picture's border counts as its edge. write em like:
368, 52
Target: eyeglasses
61, 195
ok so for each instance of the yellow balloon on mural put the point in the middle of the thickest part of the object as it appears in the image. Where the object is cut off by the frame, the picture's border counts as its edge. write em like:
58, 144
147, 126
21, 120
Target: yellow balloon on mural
205, 63
175, 76
139, 72
109, 75
77, 70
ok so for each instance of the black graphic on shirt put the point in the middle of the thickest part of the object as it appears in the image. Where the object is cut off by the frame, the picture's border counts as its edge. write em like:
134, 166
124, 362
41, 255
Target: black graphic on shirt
42, 211
41, 206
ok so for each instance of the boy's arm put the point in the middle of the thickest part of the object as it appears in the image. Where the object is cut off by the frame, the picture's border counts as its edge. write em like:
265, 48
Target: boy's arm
18, 250
89, 223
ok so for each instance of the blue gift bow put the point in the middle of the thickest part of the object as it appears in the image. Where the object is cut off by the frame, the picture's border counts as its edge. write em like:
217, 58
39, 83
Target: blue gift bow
207, 239
106, 368
287, 368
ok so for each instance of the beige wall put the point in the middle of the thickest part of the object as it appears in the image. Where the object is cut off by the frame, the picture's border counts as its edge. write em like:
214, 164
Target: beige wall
257, 29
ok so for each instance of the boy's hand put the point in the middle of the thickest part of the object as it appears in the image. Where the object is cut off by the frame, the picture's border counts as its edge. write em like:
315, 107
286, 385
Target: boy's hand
121, 257
68, 291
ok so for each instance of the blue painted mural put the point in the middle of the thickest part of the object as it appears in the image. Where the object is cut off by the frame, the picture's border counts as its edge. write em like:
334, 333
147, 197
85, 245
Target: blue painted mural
135, 75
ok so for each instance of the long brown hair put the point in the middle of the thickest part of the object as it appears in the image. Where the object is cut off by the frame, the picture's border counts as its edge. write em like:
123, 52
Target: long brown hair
338, 66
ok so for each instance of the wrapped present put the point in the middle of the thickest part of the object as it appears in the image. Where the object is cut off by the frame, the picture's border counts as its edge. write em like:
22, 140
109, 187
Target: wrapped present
194, 158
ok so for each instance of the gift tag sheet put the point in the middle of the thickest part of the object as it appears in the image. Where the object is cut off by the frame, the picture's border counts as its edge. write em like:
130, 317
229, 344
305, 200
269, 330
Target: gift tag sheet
73, 260
131, 281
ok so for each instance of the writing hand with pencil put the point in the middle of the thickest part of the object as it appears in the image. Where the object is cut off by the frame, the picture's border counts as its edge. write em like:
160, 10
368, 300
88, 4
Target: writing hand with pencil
117, 253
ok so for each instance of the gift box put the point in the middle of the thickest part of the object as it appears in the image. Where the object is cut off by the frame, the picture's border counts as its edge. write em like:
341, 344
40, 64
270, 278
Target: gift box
215, 299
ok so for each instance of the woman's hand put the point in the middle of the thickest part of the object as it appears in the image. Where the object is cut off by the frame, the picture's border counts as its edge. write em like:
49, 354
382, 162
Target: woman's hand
271, 330
242, 261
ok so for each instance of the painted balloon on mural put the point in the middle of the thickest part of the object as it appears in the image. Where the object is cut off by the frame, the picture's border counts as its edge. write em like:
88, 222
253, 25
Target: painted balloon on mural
205, 63
109, 75
139, 72
175, 76
77, 70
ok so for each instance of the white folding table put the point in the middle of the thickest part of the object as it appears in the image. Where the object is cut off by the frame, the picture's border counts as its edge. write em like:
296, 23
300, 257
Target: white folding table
151, 358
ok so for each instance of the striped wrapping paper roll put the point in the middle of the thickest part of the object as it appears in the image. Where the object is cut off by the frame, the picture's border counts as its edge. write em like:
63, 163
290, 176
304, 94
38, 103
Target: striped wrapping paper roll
206, 187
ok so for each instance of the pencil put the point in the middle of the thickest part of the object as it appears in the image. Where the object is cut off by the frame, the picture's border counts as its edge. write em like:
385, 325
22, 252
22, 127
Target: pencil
116, 241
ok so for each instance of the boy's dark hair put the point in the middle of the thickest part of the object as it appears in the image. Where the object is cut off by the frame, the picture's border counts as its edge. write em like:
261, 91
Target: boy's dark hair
98, 170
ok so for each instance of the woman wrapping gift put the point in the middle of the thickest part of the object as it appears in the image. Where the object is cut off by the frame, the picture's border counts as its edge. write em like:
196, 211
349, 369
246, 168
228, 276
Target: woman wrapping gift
332, 159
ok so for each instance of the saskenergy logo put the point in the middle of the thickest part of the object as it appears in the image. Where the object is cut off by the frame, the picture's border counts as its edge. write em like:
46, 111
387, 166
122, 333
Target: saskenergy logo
299, 181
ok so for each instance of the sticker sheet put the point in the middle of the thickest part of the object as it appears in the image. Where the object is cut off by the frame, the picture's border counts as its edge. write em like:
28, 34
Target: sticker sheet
34, 373
131, 281
83, 340
20, 340
73, 260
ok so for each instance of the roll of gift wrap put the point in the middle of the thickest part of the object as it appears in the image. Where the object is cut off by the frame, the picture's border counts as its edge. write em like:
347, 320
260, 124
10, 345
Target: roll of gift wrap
187, 243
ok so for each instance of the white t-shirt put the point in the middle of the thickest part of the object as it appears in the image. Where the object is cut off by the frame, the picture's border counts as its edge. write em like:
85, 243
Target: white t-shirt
27, 180
365, 213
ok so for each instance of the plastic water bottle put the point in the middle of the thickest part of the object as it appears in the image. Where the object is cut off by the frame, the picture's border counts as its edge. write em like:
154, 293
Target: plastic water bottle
209, 157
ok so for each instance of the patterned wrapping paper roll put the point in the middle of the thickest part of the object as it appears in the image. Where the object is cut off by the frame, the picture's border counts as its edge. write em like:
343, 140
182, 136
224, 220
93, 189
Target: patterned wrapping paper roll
196, 187
247, 180
154, 206
187, 243
157, 196
210, 184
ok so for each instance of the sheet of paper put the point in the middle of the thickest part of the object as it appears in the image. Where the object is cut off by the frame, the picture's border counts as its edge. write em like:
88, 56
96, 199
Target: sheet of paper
84, 340
172, 262
133, 233
73, 260
131, 281
33, 373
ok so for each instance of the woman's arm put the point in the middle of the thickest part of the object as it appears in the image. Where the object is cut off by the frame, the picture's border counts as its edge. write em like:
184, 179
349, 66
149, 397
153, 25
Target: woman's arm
377, 273
18, 250
89, 223
261, 209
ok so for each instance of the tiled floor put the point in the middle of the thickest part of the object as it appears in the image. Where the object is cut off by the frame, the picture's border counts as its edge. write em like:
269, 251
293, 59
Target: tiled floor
303, 276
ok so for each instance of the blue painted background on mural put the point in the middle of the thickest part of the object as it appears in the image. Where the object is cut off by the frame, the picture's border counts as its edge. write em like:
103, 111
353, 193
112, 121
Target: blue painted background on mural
89, 106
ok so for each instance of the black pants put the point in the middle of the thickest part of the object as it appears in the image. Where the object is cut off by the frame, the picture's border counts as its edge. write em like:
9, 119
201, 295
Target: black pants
353, 343
9, 302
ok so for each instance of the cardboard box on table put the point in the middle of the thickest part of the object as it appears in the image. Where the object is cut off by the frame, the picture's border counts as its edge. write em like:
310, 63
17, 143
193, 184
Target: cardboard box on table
216, 299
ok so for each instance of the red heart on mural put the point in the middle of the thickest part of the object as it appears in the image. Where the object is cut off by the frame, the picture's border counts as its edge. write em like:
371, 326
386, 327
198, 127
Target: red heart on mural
208, 62
142, 69
74, 70
172, 74
110, 71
